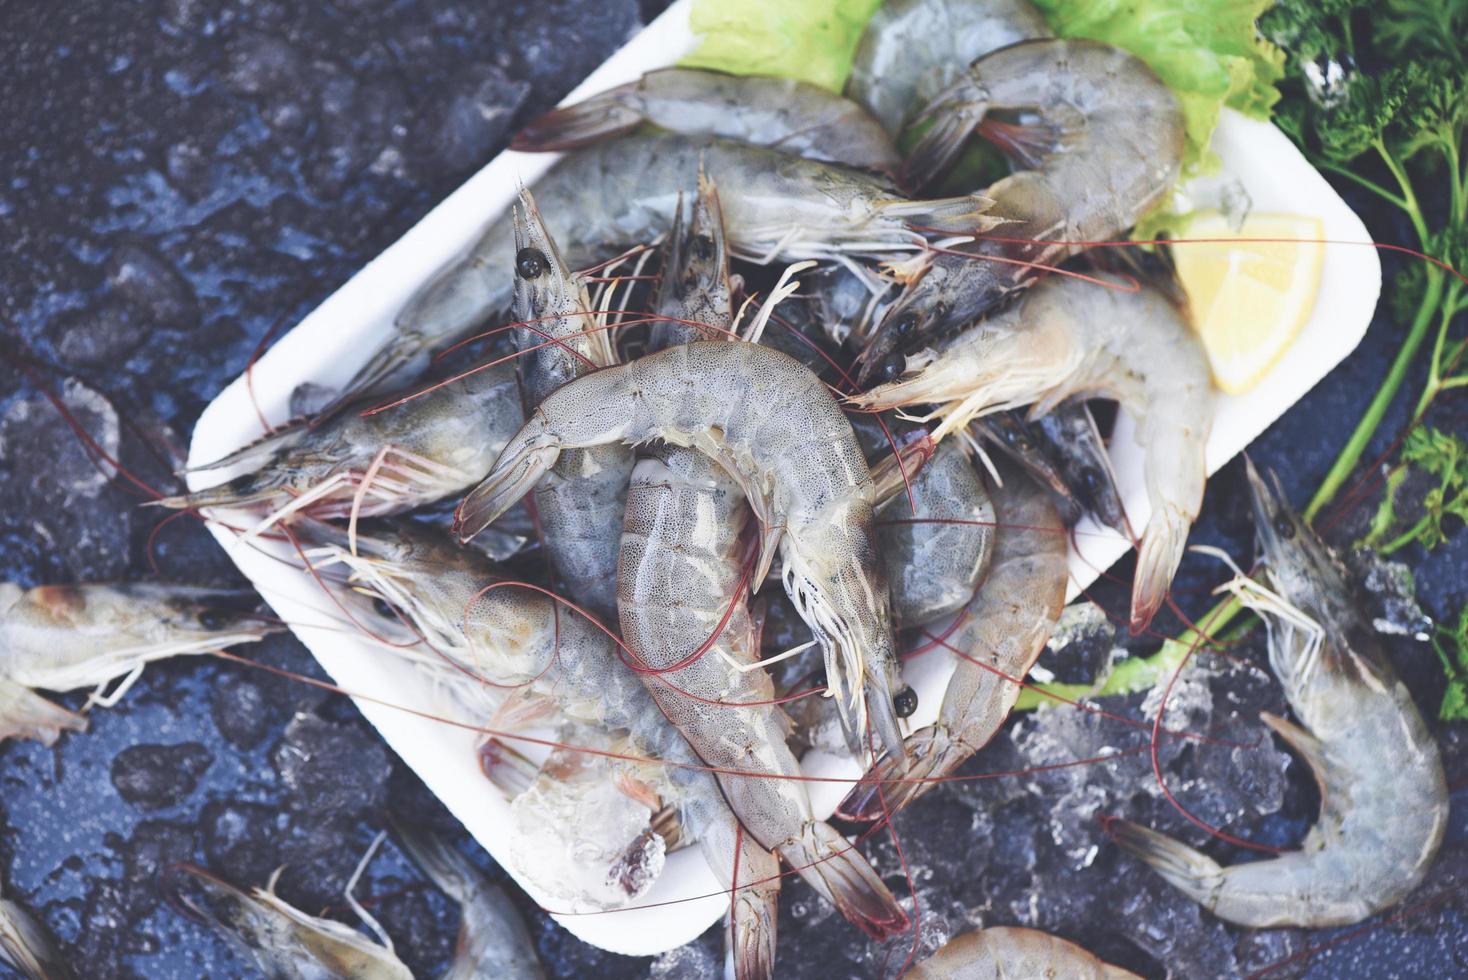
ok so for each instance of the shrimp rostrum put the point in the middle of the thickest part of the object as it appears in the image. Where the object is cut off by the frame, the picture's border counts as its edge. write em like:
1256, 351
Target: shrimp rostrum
1069, 337
775, 428
1383, 798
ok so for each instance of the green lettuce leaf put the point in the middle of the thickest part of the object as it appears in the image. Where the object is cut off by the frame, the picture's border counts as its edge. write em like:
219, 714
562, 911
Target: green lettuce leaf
809, 40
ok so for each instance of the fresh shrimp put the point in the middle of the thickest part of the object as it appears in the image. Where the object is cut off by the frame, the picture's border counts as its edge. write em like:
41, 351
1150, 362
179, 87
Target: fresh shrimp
27, 947
936, 542
64, 637
1067, 338
1014, 953
780, 113
283, 942
912, 50
1383, 798
420, 451
776, 207
775, 428
1000, 635
514, 636
1098, 140
683, 599
695, 292
581, 498
1019, 440
493, 941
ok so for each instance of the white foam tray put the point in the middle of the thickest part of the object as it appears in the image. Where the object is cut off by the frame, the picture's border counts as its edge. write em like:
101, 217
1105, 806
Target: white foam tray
336, 338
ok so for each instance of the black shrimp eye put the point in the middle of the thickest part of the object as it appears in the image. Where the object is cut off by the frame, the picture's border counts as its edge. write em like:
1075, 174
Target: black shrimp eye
1091, 479
906, 325
383, 608
530, 263
890, 370
212, 620
703, 248
904, 702
1284, 527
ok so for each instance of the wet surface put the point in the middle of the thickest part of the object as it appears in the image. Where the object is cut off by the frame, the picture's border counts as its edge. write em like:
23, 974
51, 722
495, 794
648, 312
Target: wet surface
185, 176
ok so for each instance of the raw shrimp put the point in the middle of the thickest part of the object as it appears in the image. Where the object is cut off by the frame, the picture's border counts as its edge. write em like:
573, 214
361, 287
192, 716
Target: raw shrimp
695, 292
1383, 798
1017, 438
25, 714
581, 498
64, 637
514, 636
912, 50
1099, 140
1068, 337
682, 595
772, 425
425, 449
776, 207
493, 942
284, 942
26, 946
781, 113
1004, 629
936, 554
1014, 953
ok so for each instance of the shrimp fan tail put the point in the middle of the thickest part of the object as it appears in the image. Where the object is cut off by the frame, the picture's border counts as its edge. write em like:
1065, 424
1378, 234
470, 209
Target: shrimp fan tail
840, 873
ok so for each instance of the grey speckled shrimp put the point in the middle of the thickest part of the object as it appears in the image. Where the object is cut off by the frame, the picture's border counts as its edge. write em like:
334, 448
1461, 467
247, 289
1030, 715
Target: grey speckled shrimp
683, 602
580, 500
1383, 798
912, 50
1070, 338
1097, 144
781, 113
777, 207
1014, 953
695, 291
425, 449
514, 636
1004, 630
65, 637
772, 425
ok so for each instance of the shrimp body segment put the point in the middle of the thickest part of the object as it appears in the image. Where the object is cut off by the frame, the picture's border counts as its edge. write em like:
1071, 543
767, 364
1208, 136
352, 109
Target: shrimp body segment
1067, 338
1098, 145
780, 113
773, 426
999, 636
1014, 953
1384, 800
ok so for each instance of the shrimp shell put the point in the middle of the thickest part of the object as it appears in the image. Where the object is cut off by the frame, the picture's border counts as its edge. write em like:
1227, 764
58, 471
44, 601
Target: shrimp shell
1014, 953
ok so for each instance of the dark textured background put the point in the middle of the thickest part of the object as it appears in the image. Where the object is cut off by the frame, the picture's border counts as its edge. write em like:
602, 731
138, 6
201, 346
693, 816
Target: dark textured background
177, 177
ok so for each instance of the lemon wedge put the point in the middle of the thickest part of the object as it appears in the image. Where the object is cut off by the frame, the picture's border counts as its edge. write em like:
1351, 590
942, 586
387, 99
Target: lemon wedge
1251, 289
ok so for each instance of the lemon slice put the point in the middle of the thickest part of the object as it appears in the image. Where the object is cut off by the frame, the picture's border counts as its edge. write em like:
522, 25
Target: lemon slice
1250, 297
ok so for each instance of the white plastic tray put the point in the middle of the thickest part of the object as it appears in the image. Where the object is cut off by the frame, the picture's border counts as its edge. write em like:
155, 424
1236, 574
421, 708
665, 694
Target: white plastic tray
336, 338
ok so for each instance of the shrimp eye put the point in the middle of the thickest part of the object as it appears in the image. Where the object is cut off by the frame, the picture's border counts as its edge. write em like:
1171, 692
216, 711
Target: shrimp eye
1091, 479
383, 608
1284, 527
905, 701
530, 263
890, 370
212, 619
703, 248
906, 325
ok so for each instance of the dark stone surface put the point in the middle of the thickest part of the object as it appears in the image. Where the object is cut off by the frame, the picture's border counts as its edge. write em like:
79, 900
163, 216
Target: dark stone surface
183, 176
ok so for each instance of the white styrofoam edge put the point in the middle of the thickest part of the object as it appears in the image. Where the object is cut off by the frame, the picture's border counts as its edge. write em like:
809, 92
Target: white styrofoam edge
338, 336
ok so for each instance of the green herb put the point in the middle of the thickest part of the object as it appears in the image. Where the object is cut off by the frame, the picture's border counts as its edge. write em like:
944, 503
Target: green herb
1441, 455
1398, 131
1455, 665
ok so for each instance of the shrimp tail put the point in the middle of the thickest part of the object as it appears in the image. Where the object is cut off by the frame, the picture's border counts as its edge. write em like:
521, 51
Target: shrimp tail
888, 786
517, 470
601, 117
25, 714
954, 114
1163, 543
1192, 872
838, 871
754, 916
